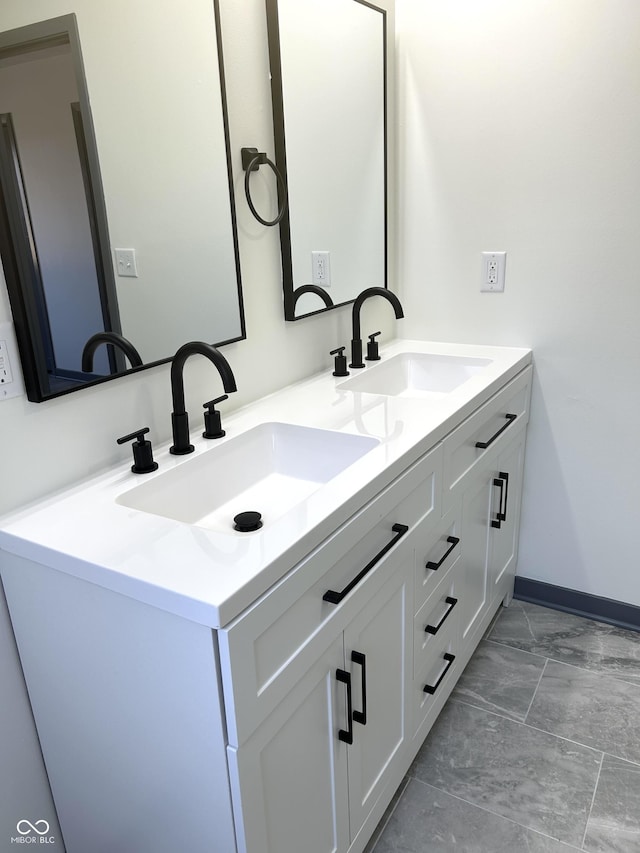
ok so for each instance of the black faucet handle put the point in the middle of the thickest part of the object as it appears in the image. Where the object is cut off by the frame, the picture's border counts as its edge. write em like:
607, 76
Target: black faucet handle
340, 367
215, 402
212, 421
142, 451
372, 348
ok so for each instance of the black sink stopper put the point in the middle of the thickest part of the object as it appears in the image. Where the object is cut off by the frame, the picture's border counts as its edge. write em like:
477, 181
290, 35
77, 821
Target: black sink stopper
142, 452
247, 522
372, 348
340, 368
212, 422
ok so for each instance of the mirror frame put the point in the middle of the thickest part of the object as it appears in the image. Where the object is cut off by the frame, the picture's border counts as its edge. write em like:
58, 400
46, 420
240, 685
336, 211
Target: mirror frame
291, 292
23, 307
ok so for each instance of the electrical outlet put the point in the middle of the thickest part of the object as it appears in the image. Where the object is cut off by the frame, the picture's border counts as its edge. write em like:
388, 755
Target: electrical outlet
321, 269
11, 384
493, 266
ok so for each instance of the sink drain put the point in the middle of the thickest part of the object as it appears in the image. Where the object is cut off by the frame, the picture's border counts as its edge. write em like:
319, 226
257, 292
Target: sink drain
247, 522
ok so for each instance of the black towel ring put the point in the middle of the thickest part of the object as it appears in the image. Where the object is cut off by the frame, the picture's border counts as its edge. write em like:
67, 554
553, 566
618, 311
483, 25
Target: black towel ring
252, 159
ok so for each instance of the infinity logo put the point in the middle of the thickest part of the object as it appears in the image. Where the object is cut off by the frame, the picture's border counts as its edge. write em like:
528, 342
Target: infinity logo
31, 827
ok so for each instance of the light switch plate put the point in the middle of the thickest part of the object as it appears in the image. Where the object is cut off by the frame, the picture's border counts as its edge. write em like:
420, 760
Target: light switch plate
126, 262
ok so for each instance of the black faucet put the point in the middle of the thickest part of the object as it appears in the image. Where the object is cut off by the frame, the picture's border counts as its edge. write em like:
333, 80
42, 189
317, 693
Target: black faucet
356, 340
115, 340
179, 416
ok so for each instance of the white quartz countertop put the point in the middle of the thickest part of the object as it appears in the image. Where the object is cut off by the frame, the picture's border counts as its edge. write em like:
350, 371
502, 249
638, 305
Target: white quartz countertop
209, 576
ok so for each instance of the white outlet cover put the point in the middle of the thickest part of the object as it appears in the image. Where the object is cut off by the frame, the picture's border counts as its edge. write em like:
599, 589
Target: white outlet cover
11, 382
493, 283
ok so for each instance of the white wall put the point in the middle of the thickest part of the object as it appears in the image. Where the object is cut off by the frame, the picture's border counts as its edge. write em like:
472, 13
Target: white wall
519, 129
50, 445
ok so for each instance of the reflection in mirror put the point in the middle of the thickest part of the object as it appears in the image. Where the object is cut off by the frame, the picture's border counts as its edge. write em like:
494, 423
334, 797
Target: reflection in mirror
160, 188
330, 125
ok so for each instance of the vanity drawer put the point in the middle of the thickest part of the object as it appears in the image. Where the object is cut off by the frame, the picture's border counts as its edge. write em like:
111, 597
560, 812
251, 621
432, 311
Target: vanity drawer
267, 649
439, 670
437, 549
435, 618
483, 432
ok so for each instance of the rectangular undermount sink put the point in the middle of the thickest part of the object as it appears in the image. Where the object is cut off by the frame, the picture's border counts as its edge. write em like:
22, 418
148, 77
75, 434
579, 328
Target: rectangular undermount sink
415, 374
269, 469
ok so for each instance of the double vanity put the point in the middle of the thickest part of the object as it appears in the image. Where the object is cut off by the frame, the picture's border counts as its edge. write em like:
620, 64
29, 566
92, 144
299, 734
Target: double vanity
202, 688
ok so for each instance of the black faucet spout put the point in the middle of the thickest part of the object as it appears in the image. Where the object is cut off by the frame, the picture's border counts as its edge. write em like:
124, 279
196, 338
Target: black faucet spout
179, 416
356, 337
115, 340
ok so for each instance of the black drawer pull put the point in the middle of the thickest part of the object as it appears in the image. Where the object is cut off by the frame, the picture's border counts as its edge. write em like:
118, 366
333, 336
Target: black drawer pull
346, 735
501, 482
435, 566
361, 716
334, 597
484, 444
433, 629
431, 688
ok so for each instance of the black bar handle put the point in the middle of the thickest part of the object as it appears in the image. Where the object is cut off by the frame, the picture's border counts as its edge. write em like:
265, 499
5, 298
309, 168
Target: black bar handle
453, 540
484, 444
433, 629
431, 688
497, 521
361, 716
346, 735
334, 597
502, 515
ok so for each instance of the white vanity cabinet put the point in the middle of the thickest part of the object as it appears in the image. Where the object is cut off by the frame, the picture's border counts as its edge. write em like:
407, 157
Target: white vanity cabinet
289, 724
322, 687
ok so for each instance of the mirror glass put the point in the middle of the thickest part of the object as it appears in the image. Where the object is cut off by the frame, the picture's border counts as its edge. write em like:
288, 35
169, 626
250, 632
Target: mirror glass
116, 205
330, 125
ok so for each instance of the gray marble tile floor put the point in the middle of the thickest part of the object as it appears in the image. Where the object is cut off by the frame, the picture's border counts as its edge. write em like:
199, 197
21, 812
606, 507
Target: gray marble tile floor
537, 749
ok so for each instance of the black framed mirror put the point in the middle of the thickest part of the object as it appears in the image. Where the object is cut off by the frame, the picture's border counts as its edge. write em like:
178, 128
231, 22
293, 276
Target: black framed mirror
332, 128
81, 176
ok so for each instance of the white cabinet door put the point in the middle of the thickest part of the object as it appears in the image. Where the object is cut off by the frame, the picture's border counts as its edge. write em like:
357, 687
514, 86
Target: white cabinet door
289, 780
504, 538
310, 775
378, 657
490, 522
477, 507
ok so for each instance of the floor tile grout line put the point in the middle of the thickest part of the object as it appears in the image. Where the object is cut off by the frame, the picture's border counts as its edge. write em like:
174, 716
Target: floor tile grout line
515, 648
503, 715
607, 673
542, 731
593, 799
544, 669
495, 814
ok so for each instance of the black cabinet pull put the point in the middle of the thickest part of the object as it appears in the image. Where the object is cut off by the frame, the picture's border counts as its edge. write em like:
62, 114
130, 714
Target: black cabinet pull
484, 444
497, 521
346, 735
431, 688
501, 482
433, 629
334, 597
502, 515
435, 566
361, 716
